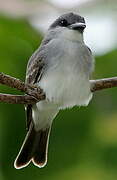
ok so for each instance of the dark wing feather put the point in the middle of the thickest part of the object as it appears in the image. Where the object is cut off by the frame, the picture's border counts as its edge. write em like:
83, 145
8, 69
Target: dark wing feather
34, 68
28, 110
33, 74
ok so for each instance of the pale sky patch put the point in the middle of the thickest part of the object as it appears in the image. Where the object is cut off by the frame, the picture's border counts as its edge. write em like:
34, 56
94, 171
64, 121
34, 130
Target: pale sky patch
68, 3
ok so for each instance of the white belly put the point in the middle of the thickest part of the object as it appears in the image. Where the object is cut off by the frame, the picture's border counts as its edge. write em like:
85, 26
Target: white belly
66, 89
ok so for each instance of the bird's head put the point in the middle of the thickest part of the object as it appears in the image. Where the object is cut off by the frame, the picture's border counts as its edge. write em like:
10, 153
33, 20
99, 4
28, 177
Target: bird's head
70, 26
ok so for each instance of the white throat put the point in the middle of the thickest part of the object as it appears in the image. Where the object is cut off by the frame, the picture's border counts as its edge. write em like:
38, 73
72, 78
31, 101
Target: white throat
72, 35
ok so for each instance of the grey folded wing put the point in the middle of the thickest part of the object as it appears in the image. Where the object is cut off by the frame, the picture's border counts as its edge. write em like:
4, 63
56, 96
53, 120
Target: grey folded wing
34, 68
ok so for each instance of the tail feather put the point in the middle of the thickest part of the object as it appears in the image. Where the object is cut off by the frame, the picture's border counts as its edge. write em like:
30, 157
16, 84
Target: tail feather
40, 153
34, 148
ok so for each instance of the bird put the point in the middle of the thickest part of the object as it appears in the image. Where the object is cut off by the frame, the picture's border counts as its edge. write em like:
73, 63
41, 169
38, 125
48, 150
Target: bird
61, 67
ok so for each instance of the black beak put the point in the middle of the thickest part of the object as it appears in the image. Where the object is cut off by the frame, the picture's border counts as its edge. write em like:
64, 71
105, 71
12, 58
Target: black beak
78, 26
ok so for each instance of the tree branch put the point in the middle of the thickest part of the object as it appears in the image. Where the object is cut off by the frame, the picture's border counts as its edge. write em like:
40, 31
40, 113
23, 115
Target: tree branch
100, 84
35, 94
17, 99
13, 82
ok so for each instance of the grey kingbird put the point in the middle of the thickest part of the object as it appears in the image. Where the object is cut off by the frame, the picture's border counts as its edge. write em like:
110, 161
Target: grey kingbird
61, 67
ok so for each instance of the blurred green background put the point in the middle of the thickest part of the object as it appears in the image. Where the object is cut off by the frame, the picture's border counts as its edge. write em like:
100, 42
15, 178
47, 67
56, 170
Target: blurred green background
83, 143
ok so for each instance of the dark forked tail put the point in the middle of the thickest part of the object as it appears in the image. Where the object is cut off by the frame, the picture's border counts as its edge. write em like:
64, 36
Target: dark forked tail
34, 148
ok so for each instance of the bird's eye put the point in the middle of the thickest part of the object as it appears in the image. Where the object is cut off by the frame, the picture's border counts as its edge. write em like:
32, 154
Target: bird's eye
63, 23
